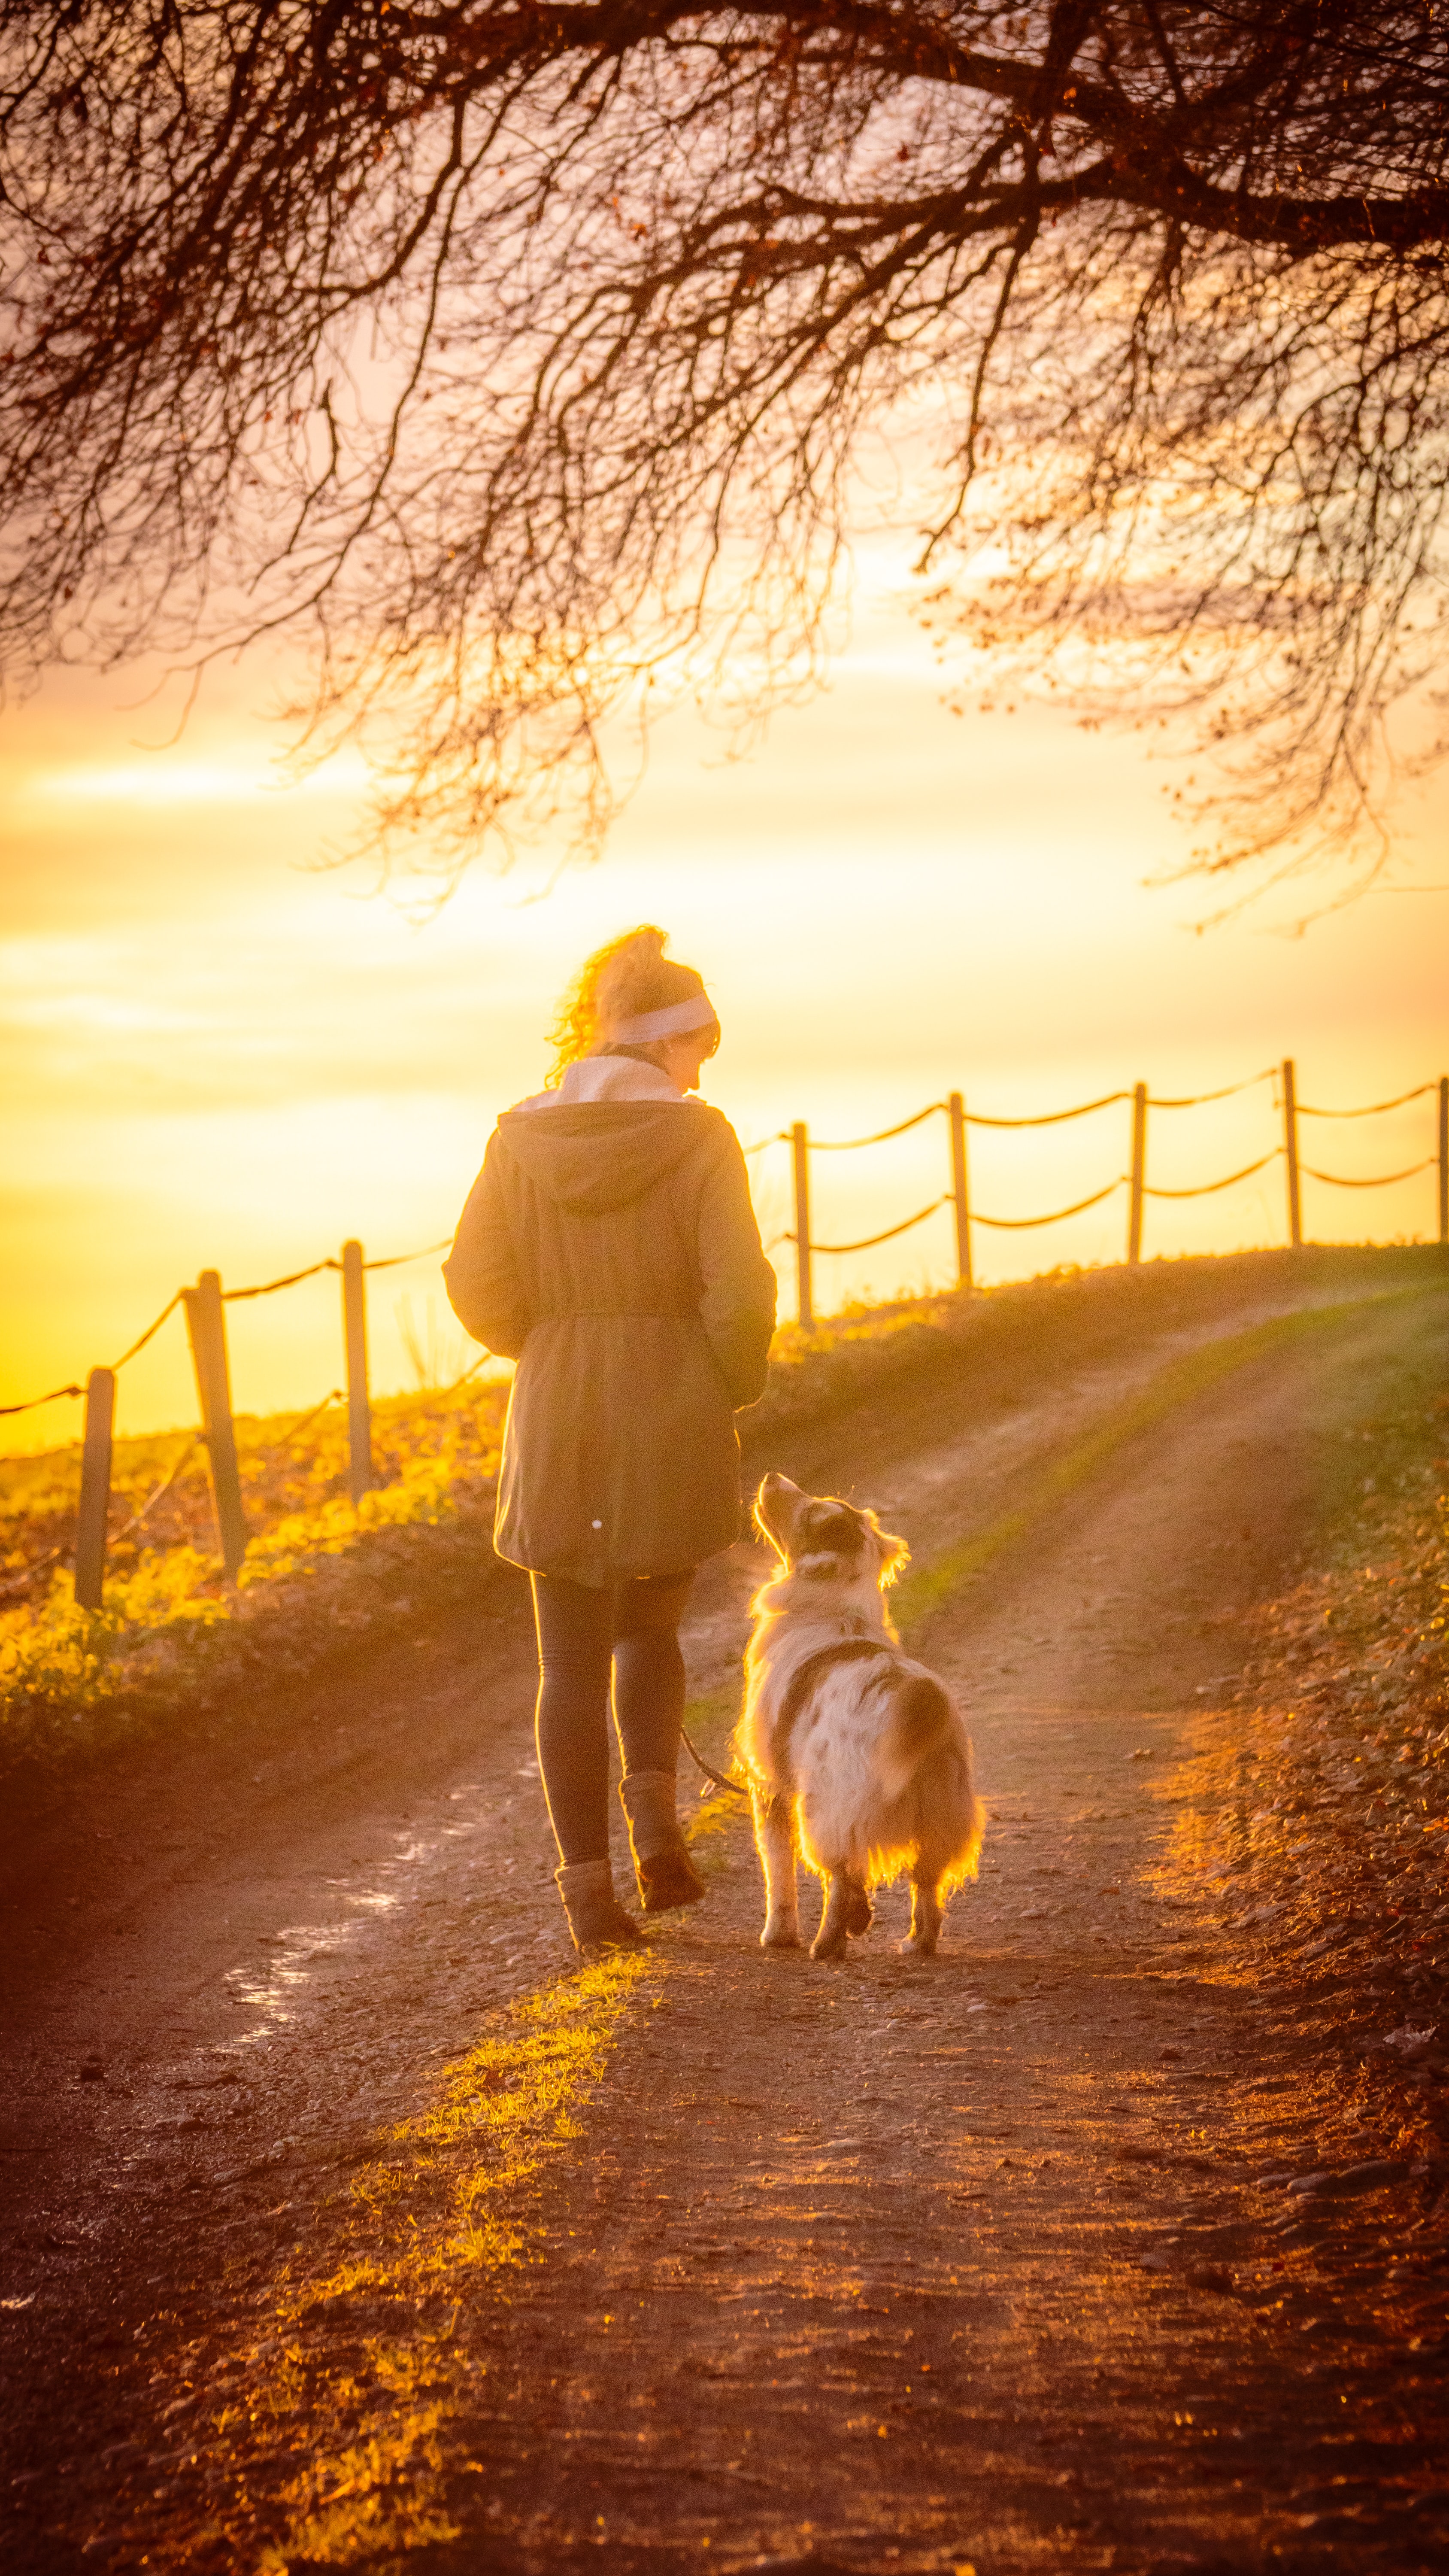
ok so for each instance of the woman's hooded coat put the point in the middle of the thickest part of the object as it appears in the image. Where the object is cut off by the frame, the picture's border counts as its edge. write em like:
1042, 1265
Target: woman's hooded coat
610, 1247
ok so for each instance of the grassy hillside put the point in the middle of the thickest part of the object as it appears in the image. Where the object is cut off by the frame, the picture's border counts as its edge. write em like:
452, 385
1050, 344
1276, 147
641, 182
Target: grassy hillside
1325, 1823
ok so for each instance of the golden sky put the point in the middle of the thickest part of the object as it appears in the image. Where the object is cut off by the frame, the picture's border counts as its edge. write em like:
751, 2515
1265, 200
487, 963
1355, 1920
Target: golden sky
218, 1053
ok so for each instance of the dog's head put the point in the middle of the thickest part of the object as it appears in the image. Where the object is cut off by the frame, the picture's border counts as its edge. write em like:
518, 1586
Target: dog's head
824, 1540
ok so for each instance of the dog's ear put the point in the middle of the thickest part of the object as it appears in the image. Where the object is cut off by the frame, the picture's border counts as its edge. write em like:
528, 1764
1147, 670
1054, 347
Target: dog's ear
893, 1553
774, 1511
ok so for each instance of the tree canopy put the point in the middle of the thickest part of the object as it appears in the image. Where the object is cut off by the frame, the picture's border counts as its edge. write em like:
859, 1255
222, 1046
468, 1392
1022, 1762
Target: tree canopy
521, 354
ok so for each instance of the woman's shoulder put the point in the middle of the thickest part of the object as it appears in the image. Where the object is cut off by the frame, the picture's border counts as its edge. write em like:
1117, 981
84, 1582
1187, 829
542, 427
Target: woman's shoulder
712, 1129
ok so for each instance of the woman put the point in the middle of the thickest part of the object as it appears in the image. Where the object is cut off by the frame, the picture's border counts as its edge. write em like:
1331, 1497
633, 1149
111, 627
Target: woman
610, 1247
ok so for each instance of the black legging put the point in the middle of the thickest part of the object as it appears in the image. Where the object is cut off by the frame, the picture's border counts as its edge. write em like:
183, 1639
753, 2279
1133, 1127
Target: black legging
583, 1630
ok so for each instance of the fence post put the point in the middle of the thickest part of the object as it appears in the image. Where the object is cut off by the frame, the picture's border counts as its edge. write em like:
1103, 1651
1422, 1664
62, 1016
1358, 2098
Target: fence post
800, 1149
95, 1490
956, 1110
1139, 1171
1290, 1149
354, 1335
1444, 1157
206, 1332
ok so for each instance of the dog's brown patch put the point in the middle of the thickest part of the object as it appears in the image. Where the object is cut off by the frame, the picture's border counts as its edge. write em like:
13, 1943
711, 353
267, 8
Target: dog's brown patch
920, 1716
847, 1650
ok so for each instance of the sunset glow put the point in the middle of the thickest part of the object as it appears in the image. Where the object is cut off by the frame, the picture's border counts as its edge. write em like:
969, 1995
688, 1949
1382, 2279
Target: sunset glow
222, 1052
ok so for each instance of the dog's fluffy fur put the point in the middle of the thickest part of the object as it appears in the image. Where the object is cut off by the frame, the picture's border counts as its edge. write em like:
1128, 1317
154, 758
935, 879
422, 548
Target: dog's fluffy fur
857, 1756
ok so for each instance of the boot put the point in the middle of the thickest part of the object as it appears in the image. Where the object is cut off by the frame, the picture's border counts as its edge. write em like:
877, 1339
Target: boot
595, 1917
666, 1874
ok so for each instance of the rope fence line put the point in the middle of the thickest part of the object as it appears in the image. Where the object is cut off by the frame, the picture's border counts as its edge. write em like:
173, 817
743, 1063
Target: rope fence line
234, 1297
334, 1395
1376, 1181
852, 1144
1375, 1108
1229, 1091
205, 1304
293, 1279
150, 1332
205, 1310
1053, 1117
22, 1582
1018, 1224
194, 1440
960, 1120
34, 1402
1205, 1189
399, 1260
187, 1451
871, 1240
269, 1287
1050, 1118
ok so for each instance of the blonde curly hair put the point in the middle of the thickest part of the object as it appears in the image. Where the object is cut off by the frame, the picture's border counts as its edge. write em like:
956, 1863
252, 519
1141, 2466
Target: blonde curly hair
621, 981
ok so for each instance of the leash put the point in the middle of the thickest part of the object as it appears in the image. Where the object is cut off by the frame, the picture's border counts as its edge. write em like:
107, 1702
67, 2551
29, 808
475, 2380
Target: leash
700, 1764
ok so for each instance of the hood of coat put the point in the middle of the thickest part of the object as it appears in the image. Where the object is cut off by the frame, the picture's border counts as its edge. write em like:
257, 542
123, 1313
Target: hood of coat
605, 1077
592, 1155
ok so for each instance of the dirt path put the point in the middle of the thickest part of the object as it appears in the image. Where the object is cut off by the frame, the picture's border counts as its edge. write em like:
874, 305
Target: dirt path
892, 2267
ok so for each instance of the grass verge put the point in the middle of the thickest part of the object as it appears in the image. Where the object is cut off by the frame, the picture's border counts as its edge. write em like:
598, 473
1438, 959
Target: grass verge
327, 2430
1323, 1841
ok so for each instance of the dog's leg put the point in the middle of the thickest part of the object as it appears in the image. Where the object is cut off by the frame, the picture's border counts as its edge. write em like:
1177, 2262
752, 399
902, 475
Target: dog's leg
775, 1843
860, 1913
926, 1919
840, 1899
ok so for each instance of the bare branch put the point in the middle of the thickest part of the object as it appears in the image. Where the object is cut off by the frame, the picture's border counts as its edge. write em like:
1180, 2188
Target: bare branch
520, 356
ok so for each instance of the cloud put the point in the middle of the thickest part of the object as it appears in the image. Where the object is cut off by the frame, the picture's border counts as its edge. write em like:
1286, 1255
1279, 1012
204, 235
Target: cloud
166, 780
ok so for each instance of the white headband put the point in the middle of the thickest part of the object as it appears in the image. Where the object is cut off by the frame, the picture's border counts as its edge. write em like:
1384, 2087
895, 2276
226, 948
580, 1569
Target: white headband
698, 1013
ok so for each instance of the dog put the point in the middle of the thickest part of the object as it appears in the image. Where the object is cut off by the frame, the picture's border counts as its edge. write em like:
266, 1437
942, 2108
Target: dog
857, 1757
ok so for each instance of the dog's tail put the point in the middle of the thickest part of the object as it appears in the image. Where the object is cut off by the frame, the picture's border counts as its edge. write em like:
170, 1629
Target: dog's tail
921, 1720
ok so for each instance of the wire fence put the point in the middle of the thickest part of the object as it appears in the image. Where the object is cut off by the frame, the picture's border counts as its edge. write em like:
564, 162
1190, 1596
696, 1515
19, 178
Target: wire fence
204, 1305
